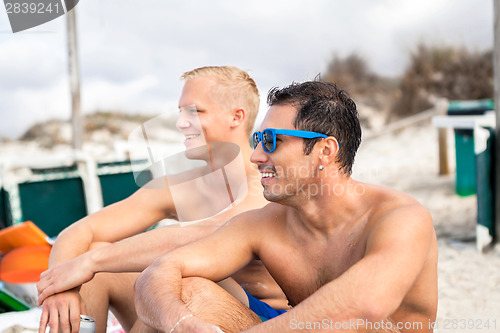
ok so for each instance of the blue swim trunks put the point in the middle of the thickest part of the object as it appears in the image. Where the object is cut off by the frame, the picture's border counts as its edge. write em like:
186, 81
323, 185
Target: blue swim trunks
263, 310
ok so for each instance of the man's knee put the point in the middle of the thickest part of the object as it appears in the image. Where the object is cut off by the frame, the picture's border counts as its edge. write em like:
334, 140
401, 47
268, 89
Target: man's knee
213, 304
198, 292
195, 291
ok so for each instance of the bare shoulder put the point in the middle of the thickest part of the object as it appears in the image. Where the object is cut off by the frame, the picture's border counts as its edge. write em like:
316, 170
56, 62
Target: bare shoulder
396, 214
254, 220
386, 202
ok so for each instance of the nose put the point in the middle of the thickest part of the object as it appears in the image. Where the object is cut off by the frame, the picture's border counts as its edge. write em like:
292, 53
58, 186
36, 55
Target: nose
182, 122
259, 156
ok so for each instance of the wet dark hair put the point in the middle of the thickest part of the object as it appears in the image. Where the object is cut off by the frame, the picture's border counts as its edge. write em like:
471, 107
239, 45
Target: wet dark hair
324, 108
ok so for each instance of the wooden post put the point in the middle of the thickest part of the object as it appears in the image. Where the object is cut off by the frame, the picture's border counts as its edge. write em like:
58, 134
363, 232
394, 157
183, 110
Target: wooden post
74, 80
444, 169
496, 67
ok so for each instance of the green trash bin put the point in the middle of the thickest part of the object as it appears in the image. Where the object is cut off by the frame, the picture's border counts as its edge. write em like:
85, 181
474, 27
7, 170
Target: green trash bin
485, 172
465, 183
464, 144
481, 129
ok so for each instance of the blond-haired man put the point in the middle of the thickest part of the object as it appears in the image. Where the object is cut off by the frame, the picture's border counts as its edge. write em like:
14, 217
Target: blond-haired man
87, 255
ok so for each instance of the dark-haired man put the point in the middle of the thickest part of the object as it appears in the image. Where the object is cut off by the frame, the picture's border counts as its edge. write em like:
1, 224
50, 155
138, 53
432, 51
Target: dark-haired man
349, 256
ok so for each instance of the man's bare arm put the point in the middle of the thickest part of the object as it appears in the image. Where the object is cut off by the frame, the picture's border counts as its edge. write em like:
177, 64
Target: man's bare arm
374, 287
115, 222
215, 257
132, 254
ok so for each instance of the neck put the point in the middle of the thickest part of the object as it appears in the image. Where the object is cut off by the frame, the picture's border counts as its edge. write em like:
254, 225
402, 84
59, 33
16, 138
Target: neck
335, 204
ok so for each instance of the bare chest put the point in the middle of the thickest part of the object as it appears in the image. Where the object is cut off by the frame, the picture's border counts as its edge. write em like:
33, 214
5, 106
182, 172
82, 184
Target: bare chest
303, 269
196, 199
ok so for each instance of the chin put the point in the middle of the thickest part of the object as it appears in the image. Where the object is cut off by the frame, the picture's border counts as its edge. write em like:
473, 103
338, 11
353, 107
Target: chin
197, 153
273, 196
194, 143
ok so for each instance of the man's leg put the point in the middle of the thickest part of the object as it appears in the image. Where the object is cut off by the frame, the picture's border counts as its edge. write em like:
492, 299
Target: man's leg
140, 327
213, 304
110, 291
227, 295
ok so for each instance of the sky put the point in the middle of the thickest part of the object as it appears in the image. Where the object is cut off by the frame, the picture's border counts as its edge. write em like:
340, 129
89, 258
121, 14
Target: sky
132, 53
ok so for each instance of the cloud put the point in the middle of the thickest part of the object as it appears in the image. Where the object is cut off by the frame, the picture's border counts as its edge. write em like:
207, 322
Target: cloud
24, 107
133, 53
109, 95
30, 65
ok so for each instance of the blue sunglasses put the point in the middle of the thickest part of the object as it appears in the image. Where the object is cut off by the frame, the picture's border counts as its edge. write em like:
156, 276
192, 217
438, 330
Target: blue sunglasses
268, 137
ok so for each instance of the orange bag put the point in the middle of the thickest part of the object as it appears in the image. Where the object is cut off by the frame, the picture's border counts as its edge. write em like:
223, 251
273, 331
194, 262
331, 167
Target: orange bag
22, 234
25, 264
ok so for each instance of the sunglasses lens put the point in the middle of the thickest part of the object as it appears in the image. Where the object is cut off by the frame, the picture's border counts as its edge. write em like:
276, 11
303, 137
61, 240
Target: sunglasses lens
267, 141
255, 139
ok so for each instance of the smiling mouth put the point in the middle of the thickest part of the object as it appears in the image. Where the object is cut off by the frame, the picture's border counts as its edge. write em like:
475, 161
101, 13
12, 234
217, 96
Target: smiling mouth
267, 174
191, 136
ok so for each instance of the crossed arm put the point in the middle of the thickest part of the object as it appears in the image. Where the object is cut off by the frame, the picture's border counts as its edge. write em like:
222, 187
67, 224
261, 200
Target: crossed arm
370, 290
133, 254
71, 265
216, 257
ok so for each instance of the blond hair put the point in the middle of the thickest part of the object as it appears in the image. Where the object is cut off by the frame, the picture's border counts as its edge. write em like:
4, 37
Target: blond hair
233, 88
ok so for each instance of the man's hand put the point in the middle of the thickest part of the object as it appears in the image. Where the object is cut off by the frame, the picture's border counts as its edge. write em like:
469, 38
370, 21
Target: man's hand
62, 312
63, 277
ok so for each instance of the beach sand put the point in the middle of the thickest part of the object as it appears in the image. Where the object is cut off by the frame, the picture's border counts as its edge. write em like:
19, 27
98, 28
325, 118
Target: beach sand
469, 281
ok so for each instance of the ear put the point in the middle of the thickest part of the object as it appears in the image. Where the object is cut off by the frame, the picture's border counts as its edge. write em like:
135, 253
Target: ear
328, 151
237, 117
